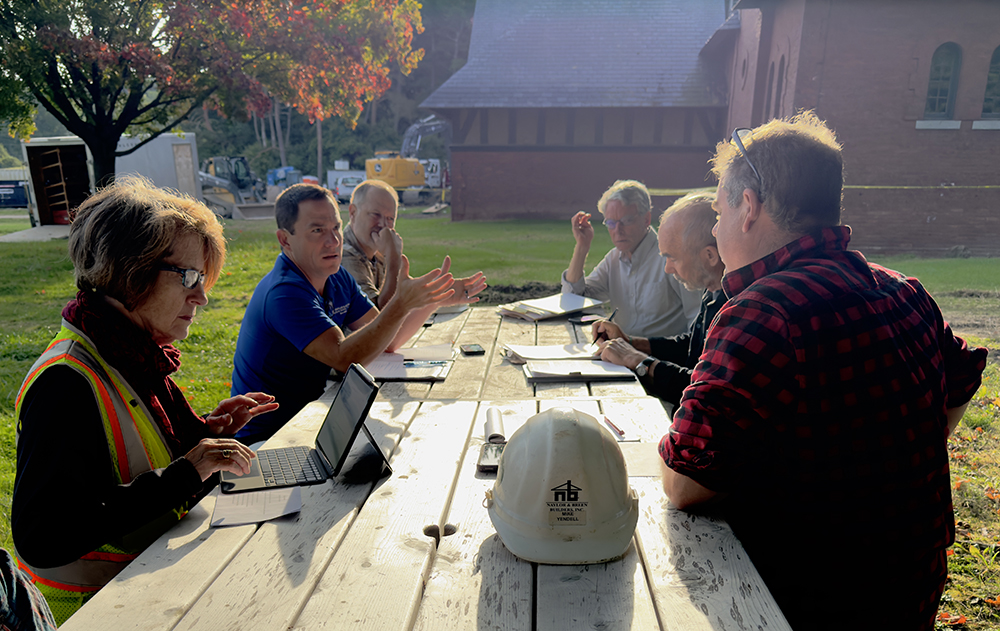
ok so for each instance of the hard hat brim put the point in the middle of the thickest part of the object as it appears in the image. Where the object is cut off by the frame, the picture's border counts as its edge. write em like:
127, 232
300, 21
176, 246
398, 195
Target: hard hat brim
540, 544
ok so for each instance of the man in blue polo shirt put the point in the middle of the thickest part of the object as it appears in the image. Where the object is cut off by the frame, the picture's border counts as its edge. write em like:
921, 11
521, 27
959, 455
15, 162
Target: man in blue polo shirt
293, 331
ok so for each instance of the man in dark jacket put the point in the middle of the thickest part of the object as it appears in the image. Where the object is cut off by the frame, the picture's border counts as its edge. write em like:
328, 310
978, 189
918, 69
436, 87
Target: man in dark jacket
688, 248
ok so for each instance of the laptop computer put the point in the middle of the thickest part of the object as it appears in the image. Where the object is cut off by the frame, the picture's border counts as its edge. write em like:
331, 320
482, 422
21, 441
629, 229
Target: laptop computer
300, 465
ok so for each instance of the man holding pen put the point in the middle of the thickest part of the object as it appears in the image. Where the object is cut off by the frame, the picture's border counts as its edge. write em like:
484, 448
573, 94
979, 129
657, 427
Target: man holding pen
690, 253
630, 276
601, 333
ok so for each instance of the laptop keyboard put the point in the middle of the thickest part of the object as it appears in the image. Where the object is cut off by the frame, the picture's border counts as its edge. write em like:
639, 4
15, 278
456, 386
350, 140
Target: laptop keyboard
289, 466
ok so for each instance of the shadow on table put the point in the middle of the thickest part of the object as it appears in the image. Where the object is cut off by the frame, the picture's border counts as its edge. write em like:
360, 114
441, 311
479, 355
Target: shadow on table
299, 542
503, 601
592, 596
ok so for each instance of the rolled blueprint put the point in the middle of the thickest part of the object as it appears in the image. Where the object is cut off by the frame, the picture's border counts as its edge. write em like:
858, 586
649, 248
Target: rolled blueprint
494, 426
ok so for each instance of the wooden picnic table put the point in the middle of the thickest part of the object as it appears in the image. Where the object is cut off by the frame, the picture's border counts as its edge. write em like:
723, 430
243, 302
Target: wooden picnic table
416, 550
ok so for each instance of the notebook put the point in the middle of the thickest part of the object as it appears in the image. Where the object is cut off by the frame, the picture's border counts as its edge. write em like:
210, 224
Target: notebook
295, 466
547, 307
569, 370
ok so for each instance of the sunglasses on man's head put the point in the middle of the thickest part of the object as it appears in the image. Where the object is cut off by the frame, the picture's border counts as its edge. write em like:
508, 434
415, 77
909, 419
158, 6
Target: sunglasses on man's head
738, 135
189, 277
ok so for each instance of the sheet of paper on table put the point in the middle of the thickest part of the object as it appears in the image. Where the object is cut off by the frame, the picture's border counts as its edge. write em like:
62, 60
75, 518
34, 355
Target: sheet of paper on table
547, 307
427, 363
253, 507
519, 353
642, 459
575, 370
429, 353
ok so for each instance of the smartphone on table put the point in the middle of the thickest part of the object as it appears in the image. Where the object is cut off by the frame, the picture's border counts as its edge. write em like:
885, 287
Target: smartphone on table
472, 349
489, 457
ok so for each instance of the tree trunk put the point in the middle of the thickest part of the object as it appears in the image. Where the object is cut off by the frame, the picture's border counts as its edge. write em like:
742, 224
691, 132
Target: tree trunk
103, 151
319, 150
277, 130
205, 116
288, 128
256, 130
274, 134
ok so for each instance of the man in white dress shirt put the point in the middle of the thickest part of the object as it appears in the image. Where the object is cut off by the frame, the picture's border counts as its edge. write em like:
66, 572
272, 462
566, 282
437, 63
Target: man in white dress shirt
649, 302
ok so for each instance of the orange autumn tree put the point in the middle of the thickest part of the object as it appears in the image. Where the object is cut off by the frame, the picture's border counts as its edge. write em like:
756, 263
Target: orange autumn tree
105, 68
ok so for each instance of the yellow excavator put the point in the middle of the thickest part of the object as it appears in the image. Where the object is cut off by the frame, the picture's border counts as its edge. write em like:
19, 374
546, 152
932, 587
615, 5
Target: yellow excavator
401, 169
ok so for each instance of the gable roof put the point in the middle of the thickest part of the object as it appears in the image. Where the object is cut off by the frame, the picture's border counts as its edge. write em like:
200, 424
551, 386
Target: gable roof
587, 53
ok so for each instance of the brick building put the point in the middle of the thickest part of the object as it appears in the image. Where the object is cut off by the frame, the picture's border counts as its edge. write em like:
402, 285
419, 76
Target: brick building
912, 88
560, 98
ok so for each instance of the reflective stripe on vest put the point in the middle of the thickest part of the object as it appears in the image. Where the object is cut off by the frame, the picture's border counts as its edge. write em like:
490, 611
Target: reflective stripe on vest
135, 445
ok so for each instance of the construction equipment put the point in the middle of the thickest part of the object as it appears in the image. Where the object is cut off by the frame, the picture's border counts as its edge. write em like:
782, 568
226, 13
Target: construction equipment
227, 183
403, 171
61, 174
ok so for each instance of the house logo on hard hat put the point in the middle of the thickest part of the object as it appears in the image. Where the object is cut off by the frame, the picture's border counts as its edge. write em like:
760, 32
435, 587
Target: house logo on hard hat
566, 507
566, 492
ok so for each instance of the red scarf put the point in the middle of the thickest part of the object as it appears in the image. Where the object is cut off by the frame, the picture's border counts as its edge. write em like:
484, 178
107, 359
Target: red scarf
145, 365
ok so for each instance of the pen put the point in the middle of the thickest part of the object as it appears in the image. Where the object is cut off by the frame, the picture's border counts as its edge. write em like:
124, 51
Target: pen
602, 335
617, 429
424, 362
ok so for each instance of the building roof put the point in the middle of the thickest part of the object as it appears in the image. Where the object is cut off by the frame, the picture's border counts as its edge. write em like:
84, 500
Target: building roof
587, 53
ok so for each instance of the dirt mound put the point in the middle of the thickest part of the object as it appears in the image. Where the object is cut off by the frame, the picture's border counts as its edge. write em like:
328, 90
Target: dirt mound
502, 294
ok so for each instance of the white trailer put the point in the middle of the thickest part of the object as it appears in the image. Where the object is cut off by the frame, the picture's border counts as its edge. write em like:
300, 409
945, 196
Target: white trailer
61, 171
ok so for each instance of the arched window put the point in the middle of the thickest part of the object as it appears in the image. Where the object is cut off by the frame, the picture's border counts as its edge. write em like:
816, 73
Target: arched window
943, 83
991, 102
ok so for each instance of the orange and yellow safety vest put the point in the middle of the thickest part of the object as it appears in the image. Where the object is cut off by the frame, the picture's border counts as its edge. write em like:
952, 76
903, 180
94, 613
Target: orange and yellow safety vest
135, 445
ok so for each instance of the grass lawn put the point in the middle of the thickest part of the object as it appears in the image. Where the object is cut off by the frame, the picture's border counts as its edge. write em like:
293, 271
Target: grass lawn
13, 222
38, 280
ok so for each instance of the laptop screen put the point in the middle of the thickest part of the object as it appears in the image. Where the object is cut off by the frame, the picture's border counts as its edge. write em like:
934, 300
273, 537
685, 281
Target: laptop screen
346, 415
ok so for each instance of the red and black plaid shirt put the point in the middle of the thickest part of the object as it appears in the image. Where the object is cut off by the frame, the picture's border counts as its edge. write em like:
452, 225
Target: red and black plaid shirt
819, 405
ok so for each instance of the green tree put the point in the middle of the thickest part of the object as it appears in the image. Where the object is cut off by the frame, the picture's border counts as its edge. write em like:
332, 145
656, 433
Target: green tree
107, 67
445, 40
8, 161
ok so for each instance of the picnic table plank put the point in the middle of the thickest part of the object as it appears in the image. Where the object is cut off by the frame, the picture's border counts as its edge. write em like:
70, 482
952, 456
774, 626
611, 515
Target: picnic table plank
276, 572
594, 596
167, 578
377, 576
503, 379
700, 575
643, 418
466, 377
476, 583
607, 596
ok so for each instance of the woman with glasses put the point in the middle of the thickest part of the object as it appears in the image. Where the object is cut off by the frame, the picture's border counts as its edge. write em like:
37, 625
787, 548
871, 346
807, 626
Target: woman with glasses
109, 452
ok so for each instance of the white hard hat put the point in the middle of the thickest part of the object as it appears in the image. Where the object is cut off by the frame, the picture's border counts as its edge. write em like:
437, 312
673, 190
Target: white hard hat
562, 494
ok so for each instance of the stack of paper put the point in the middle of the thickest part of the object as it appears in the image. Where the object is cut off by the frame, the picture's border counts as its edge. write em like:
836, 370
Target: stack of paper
423, 363
563, 370
548, 307
518, 354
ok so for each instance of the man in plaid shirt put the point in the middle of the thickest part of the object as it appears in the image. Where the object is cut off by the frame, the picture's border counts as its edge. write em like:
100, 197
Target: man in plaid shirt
817, 417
